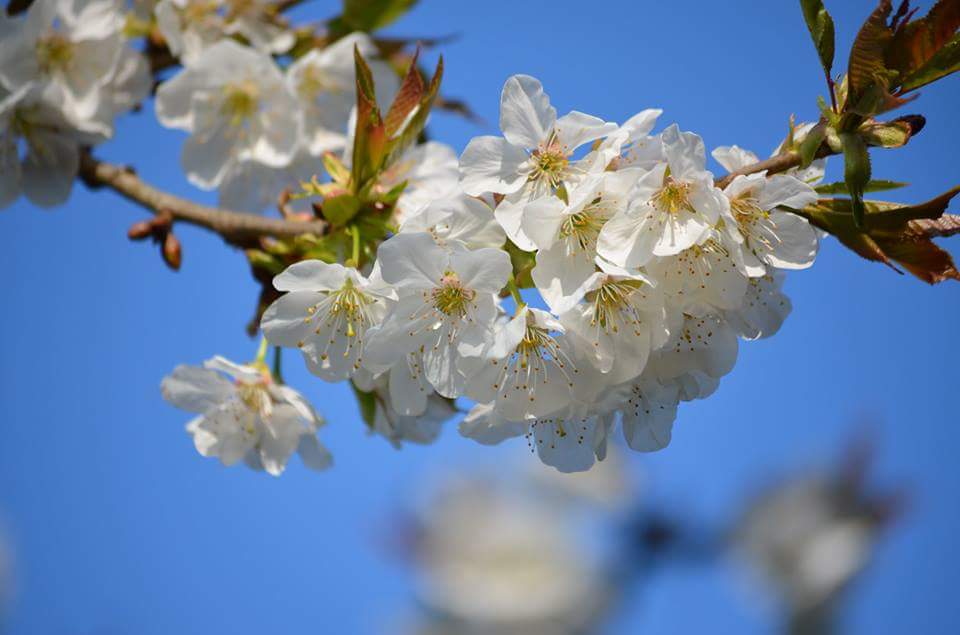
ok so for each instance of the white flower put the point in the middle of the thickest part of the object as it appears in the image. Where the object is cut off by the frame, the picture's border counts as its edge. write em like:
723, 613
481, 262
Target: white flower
389, 422
764, 308
771, 236
699, 353
236, 105
324, 82
326, 313
497, 558
446, 306
69, 48
566, 234
809, 538
648, 413
251, 186
704, 277
456, 219
190, 26
38, 150
430, 170
675, 206
534, 157
622, 320
526, 372
245, 415
631, 145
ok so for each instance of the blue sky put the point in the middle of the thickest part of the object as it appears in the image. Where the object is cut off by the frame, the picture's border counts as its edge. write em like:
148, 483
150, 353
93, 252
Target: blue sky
118, 526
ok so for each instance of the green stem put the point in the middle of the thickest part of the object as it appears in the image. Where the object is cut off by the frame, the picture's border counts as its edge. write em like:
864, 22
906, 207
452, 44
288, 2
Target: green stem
261, 351
277, 365
356, 245
515, 292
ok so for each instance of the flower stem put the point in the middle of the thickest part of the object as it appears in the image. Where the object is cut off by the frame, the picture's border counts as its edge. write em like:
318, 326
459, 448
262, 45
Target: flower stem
277, 365
356, 245
261, 353
515, 292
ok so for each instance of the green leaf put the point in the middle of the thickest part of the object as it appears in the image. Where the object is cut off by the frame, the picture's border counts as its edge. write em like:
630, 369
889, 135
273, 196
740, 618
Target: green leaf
866, 67
925, 50
370, 15
856, 172
339, 210
895, 233
873, 186
890, 134
407, 99
811, 143
942, 63
821, 29
367, 402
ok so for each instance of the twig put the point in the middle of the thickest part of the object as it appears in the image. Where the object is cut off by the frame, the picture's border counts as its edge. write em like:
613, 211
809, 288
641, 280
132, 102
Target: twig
773, 165
237, 228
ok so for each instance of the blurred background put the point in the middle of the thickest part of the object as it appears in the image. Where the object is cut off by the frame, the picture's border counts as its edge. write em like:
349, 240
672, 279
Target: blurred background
815, 491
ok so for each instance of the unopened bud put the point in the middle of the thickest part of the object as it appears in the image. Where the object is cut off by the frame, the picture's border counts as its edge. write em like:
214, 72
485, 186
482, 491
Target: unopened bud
916, 122
140, 230
171, 251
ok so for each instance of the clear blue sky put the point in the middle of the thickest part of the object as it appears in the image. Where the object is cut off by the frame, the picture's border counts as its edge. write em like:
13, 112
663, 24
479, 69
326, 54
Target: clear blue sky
120, 527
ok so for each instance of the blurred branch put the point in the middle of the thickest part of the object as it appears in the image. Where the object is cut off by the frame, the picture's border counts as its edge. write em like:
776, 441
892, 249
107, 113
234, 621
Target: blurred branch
237, 228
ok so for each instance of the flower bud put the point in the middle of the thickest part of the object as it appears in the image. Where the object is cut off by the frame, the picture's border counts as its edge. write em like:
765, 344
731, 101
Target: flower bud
171, 251
140, 230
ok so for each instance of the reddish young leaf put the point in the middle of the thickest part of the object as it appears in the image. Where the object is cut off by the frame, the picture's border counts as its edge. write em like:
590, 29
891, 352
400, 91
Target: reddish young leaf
407, 99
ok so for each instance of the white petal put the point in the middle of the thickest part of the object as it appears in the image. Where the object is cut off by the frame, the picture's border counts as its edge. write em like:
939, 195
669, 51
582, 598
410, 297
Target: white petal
195, 389
492, 164
526, 116
566, 444
576, 128
412, 261
482, 270
684, 151
733, 158
311, 275
313, 454
485, 426
49, 169
781, 189
796, 242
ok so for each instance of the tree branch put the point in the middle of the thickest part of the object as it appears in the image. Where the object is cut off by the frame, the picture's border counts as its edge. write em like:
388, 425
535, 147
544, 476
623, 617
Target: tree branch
773, 165
237, 228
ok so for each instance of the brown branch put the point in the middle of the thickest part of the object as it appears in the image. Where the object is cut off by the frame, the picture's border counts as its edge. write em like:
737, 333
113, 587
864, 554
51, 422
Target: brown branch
773, 165
237, 228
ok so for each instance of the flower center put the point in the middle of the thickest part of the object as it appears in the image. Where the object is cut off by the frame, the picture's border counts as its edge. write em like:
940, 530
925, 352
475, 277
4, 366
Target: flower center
746, 209
550, 162
256, 397
315, 81
451, 297
673, 197
582, 228
198, 11
54, 52
611, 305
240, 102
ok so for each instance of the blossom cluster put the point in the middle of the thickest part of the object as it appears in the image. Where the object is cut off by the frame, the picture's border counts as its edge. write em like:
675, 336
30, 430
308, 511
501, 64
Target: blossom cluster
647, 275
257, 129
66, 72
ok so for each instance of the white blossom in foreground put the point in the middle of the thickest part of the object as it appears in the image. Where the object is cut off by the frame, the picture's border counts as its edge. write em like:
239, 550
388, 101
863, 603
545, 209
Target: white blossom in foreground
675, 207
763, 310
235, 104
771, 236
326, 312
535, 156
622, 320
526, 372
446, 306
458, 219
385, 393
565, 234
245, 415
68, 49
